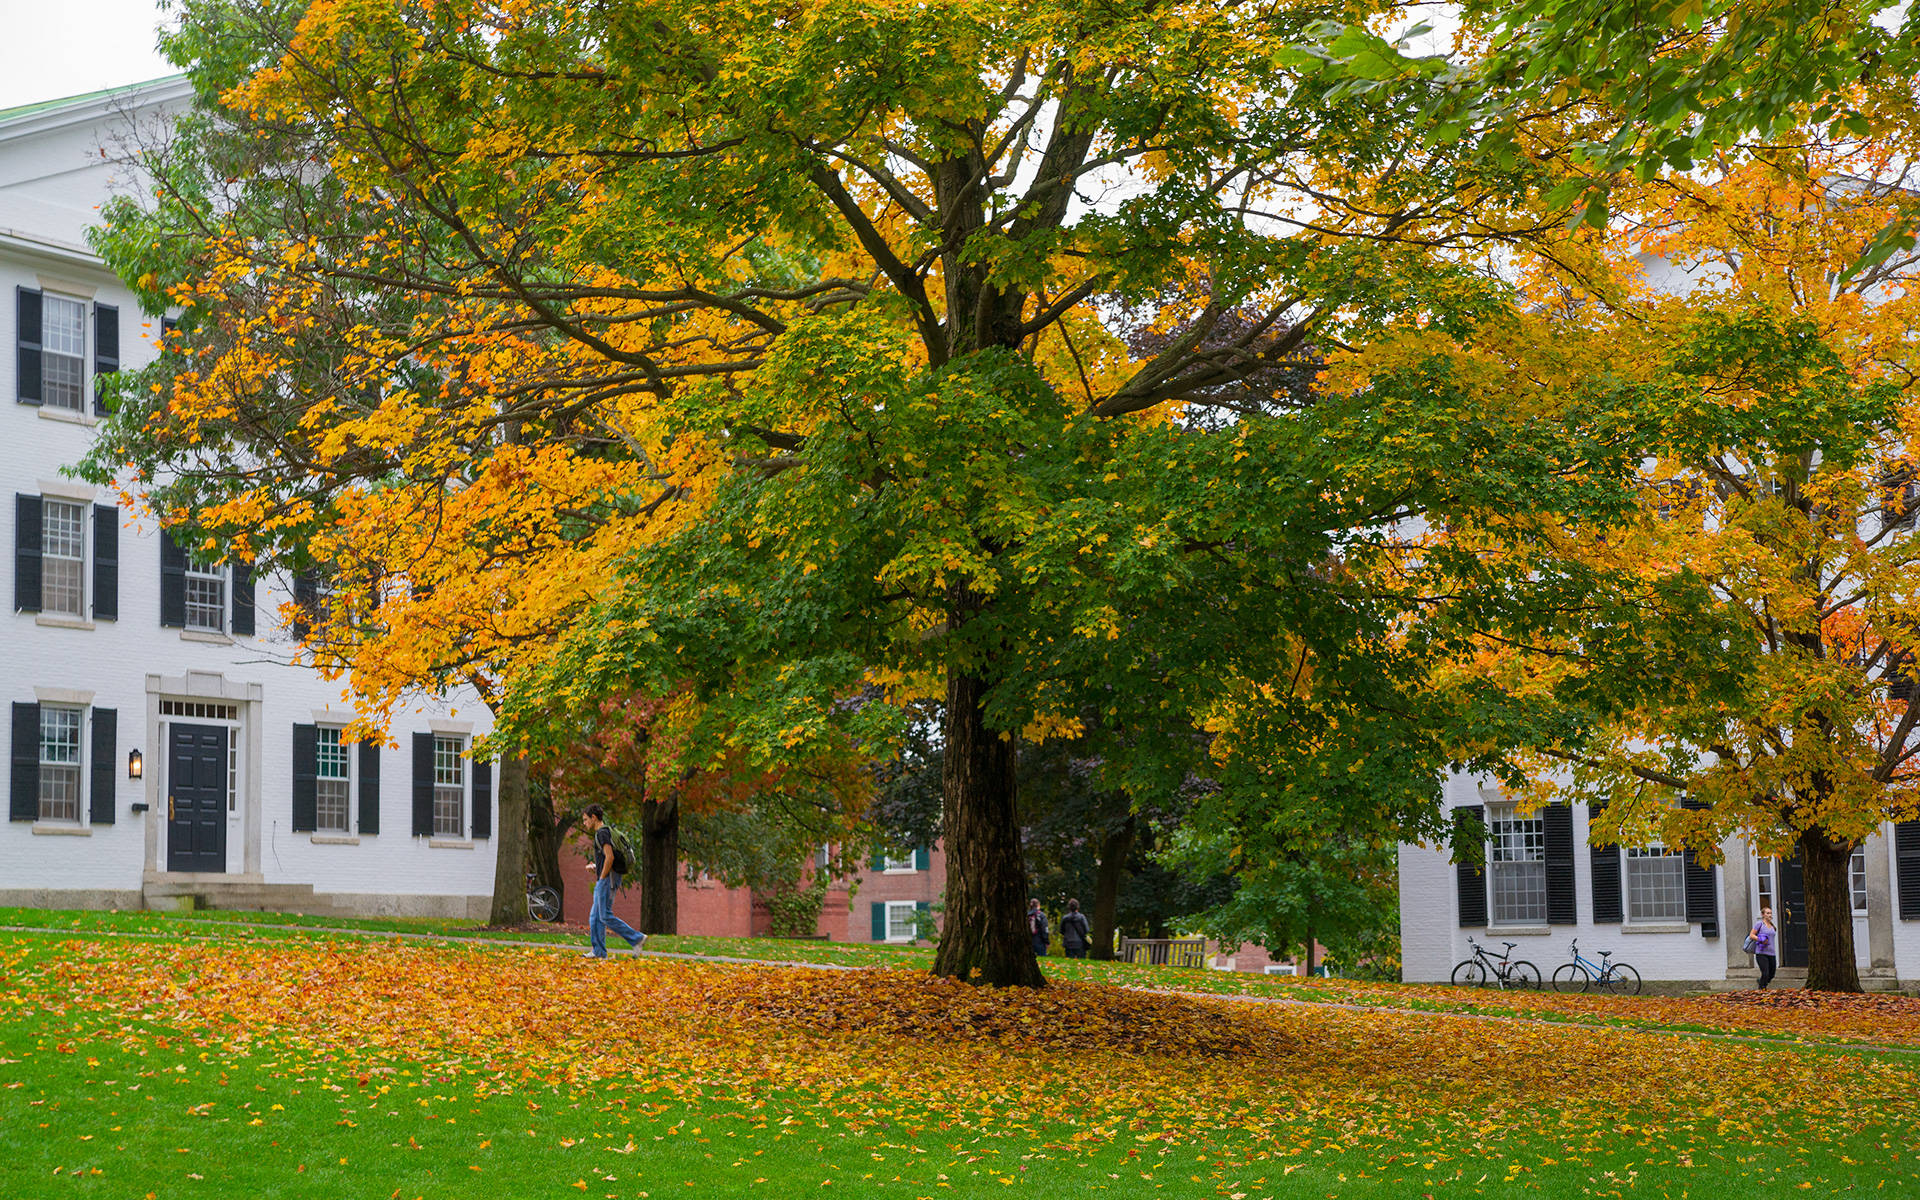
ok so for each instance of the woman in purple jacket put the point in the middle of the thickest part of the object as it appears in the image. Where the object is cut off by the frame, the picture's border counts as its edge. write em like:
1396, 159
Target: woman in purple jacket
1765, 952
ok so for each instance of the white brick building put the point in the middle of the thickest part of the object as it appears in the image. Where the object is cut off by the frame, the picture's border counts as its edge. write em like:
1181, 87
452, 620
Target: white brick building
159, 743
1542, 886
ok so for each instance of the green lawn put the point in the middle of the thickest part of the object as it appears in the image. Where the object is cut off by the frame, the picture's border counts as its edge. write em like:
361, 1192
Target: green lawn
208, 1059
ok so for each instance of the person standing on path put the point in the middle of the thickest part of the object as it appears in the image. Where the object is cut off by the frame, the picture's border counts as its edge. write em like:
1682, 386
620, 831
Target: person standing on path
1037, 927
1765, 952
608, 865
1075, 936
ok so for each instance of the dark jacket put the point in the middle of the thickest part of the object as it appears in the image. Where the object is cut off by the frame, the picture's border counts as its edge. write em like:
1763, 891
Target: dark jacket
1074, 932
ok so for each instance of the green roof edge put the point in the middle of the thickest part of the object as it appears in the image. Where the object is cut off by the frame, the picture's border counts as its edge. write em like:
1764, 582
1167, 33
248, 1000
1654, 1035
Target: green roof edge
45, 106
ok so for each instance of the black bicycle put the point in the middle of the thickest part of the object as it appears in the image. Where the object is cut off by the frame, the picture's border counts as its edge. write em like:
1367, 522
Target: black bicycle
543, 902
1484, 970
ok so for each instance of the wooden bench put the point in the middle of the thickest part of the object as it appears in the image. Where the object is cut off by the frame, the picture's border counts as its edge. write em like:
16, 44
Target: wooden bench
1164, 952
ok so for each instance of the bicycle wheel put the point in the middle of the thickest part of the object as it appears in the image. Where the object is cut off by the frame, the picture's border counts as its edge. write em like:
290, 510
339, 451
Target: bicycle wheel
543, 904
1571, 977
1523, 974
1470, 974
1624, 981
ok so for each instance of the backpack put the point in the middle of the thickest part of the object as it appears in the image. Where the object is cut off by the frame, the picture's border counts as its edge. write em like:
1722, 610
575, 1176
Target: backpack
622, 850
1037, 921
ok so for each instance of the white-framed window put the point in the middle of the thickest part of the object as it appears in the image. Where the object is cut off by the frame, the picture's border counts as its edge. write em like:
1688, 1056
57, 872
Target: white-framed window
1516, 868
63, 557
63, 352
206, 598
449, 787
1656, 884
60, 763
1762, 884
902, 920
333, 781
233, 769
1857, 880
201, 710
823, 858
897, 866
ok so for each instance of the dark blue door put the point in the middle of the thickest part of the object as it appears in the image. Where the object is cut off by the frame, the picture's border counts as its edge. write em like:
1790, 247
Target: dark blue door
197, 798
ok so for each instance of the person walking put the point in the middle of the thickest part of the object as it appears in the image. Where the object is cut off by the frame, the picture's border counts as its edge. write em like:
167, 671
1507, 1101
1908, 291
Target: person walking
1075, 936
1765, 946
608, 865
1037, 927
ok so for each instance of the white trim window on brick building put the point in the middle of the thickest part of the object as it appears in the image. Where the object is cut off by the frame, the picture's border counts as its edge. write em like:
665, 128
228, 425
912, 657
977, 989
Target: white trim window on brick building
1516, 867
333, 781
63, 556
60, 762
449, 787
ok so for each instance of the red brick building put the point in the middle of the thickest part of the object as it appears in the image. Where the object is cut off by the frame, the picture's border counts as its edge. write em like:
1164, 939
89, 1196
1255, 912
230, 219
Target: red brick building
882, 903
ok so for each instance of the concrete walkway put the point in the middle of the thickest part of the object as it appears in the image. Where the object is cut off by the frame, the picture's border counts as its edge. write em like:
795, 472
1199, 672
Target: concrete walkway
1777, 1043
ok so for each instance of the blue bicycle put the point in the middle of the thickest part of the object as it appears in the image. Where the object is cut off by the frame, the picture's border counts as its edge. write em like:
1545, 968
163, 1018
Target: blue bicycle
1583, 974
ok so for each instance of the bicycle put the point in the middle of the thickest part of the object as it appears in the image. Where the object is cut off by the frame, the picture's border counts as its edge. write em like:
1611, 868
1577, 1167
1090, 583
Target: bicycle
1583, 974
543, 902
1482, 970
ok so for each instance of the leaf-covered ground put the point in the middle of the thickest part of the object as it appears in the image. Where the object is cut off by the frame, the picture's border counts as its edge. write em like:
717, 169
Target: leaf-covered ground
301, 1066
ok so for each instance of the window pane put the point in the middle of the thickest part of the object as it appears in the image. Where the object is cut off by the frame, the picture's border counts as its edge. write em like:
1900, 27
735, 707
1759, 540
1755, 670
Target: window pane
59, 763
62, 556
330, 805
900, 922
1656, 885
1857, 876
1516, 868
63, 346
206, 600
449, 788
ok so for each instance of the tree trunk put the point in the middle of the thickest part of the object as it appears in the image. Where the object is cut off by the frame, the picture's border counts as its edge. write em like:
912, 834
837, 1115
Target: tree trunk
1108, 872
546, 832
1830, 964
510, 845
984, 938
660, 865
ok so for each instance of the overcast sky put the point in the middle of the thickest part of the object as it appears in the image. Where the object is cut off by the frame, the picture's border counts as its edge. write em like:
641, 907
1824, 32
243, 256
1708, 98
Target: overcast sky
54, 48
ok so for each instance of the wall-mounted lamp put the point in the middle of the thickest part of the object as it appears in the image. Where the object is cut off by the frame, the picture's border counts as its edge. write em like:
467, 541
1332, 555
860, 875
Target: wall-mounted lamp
135, 765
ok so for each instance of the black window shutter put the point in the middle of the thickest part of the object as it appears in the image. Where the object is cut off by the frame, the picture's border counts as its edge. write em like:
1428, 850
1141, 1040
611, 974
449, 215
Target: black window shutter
106, 353
102, 766
243, 599
26, 553
173, 583
423, 785
1608, 905
1703, 899
1469, 824
27, 341
483, 798
25, 780
1561, 905
306, 598
369, 787
922, 860
306, 769
879, 921
1906, 867
106, 562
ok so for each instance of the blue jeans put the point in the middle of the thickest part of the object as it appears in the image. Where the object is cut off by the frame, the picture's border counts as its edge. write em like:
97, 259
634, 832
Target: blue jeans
600, 918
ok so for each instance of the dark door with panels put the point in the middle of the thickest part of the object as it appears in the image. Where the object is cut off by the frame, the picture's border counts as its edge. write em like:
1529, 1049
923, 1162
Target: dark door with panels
1791, 915
197, 798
